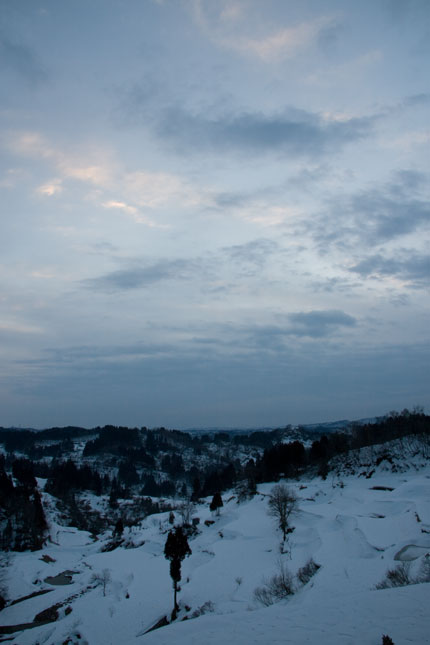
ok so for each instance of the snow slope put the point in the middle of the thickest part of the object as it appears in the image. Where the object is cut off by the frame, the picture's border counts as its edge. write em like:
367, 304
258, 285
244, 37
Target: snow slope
353, 528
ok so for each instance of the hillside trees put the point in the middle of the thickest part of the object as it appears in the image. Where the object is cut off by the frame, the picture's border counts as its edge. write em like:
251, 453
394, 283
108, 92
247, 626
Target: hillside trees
283, 459
127, 474
22, 519
66, 477
23, 472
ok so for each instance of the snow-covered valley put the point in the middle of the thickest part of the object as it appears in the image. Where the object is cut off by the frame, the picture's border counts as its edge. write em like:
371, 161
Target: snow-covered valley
355, 528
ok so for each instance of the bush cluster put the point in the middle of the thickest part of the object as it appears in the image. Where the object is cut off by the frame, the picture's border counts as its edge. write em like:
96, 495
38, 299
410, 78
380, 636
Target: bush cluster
401, 576
283, 584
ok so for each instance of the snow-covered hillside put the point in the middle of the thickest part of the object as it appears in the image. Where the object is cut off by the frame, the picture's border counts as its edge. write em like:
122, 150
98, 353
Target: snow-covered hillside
355, 528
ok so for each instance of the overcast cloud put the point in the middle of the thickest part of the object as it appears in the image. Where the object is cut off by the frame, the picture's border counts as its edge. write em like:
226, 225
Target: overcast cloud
214, 212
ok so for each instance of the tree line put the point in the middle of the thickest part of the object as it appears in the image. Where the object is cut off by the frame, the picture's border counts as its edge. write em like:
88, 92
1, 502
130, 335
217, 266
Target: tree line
146, 464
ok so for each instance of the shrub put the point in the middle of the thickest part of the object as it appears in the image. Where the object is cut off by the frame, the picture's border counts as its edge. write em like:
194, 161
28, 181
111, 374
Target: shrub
386, 640
281, 585
207, 607
424, 572
400, 576
305, 573
278, 587
245, 490
397, 577
263, 596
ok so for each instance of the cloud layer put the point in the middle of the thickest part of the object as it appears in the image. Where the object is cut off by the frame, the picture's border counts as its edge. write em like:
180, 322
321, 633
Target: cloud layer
213, 213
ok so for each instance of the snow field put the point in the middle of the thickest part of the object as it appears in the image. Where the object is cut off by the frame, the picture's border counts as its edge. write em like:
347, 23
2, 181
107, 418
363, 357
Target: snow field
354, 532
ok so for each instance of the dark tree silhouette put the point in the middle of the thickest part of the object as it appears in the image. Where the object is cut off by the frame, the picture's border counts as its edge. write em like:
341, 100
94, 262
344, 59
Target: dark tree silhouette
216, 503
386, 640
23, 523
119, 528
197, 489
175, 550
282, 502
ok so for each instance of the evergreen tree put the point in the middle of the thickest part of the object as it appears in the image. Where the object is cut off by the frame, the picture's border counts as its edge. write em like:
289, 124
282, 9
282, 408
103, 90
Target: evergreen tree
197, 489
216, 503
175, 550
119, 528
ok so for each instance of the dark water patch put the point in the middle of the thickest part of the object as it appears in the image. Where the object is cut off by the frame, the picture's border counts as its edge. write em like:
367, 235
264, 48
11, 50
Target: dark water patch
63, 578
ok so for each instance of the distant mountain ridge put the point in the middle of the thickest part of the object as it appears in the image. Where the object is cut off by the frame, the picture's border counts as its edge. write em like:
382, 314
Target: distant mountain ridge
327, 426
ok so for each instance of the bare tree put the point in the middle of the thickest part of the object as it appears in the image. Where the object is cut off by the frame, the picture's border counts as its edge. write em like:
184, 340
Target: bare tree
101, 579
186, 510
282, 502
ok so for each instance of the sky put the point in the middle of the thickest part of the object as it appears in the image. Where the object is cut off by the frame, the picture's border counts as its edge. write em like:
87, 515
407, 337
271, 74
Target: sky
214, 213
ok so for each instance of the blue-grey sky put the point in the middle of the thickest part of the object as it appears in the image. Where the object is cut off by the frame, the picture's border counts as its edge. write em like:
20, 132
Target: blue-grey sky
213, 212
